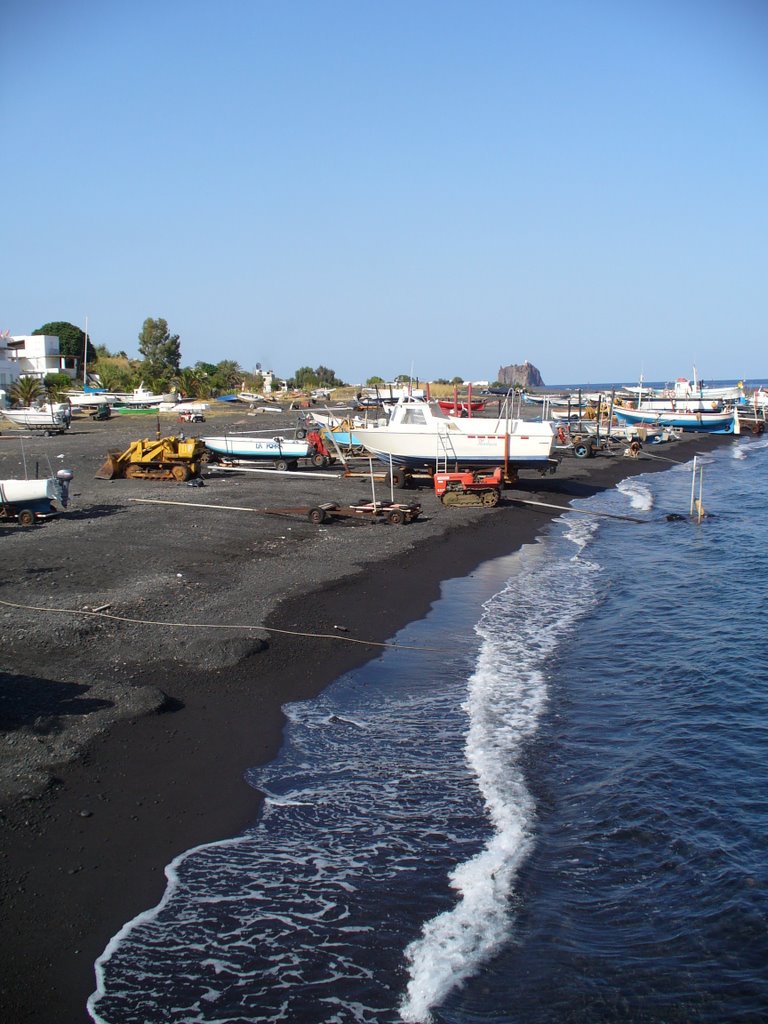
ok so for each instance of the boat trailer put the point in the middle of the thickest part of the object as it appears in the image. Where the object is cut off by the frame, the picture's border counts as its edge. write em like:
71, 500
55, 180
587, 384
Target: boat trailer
395, 512
398, 513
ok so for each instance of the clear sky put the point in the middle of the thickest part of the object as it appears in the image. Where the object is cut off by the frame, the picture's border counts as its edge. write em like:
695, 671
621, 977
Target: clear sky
392, 187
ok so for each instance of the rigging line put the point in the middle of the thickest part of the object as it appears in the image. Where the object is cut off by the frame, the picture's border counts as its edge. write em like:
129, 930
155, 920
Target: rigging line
663, 458
219, 625
581, 511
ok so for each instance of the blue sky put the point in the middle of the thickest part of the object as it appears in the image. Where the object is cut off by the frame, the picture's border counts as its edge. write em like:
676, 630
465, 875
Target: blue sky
431, 187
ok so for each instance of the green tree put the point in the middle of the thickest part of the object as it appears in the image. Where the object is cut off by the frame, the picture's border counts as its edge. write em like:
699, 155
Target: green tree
115, 378
305, 377
55, 384
457, 381
228, 373
204, 369
327, 377
27, 390
323, 376
102, 352
373, 381
71, 340
189, 380
160, 348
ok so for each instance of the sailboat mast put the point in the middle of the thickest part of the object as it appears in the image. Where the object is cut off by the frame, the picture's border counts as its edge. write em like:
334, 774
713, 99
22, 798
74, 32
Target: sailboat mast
85, 357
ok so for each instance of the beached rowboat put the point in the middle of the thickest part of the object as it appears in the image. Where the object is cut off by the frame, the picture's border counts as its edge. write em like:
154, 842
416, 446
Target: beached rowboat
702, 422
244, 446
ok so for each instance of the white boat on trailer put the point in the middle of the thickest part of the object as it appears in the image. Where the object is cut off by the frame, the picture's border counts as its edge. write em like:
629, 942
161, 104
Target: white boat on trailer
283, 451
50, 419
140, 398
420, 435
27, 500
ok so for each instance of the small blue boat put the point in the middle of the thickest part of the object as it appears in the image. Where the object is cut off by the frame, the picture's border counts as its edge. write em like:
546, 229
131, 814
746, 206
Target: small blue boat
724, 422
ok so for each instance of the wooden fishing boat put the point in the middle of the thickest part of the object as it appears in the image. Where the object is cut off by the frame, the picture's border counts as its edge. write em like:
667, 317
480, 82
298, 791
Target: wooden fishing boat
725, 422
462, 407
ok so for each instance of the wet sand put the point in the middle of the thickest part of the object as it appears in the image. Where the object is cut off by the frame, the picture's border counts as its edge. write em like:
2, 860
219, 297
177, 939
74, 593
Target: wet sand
124, 743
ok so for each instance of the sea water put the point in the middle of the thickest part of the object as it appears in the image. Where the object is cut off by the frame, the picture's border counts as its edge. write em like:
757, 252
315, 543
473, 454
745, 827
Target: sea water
549, 805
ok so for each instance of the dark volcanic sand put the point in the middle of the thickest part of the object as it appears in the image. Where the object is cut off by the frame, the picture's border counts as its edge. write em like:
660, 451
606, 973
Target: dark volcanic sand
123, 744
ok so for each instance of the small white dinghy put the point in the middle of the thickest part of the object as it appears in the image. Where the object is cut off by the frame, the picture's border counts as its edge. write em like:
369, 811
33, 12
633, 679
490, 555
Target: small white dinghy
26, 500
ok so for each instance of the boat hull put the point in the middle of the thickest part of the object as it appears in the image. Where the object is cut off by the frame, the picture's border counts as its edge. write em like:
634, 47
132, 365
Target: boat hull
692, 422
23, 492
237, 447
36, 418
532, 449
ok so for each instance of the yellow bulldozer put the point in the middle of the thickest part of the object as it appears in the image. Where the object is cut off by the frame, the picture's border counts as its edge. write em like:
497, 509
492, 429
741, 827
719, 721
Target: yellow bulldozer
167, 458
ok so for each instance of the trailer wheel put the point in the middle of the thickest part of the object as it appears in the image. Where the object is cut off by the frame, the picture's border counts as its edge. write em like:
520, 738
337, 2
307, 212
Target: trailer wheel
396, 517
583, 450
316, 516
401, 479
26, 517
282, 465
301, 433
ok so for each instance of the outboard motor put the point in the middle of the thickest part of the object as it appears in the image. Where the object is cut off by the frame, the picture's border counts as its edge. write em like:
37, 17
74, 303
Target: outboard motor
63, 478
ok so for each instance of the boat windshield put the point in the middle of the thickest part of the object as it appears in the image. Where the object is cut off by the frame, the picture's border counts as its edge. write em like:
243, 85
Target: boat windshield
411, 414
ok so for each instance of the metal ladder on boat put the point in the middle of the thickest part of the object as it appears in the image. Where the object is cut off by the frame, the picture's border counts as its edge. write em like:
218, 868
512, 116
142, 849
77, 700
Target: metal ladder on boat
445, 452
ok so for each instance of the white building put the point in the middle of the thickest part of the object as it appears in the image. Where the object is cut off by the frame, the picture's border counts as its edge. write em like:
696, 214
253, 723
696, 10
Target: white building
37, 355
9, 371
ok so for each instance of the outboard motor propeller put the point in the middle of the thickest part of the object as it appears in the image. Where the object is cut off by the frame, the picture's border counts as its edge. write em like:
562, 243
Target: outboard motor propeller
63, 477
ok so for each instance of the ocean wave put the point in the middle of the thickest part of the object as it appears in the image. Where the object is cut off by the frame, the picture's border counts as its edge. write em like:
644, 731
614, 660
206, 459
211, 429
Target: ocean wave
507, 694
639, 493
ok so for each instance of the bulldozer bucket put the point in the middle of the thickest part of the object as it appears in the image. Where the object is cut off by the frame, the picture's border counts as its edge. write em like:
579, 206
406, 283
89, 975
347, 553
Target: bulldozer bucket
108, 469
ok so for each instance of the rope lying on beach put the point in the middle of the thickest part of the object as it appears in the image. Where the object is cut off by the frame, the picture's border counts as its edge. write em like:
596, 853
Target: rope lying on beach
219, 625
662, 458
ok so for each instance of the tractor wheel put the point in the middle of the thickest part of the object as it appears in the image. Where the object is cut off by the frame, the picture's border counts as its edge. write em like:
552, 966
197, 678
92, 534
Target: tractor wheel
26, 517
316, 516
319, 461
133, 471
282, 466
181, 473
490, 498
396, 517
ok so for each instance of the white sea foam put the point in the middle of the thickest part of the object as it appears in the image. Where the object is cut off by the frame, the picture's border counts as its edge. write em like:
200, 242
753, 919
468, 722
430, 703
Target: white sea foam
145, 917
638, 492
745, 448
506, 696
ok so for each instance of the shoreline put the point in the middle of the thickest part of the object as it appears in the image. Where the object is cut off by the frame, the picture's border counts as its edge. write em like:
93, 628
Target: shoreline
90, 850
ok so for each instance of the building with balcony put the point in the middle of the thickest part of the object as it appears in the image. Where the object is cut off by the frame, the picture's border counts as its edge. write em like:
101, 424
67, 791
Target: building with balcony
37, 355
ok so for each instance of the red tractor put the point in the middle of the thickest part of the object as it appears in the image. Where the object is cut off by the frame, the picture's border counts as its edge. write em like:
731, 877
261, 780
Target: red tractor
471, 487
321, 455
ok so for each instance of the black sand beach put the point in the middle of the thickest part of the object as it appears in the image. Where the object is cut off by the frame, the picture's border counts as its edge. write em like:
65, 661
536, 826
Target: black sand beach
124, 743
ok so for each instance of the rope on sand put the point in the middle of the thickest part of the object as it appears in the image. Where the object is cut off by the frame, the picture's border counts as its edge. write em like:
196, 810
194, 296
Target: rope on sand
663, 458
218, 625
